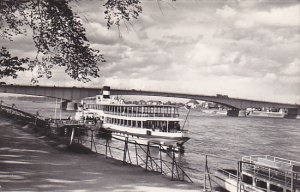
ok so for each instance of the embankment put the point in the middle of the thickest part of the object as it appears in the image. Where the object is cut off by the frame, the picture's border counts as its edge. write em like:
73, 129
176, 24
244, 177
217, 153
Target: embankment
31, 162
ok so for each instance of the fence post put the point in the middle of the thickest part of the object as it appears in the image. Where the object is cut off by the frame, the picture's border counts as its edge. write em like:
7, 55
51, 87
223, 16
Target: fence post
238, 177
125, 150
147, 156
36, 119
205, 173
78, 134
173, 157
106, 147
292, 181
72, 136
161, 168
12, 107
92, 140
136, 155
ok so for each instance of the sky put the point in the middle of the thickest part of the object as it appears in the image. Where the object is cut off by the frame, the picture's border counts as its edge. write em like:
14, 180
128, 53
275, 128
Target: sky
246, 49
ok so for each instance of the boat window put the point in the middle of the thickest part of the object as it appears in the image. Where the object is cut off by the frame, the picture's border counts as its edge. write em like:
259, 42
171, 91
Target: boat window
276, 188
261, 184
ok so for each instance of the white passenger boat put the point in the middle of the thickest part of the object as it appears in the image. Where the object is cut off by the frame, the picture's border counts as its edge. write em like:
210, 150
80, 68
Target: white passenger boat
261, 173
143, 123
257, 113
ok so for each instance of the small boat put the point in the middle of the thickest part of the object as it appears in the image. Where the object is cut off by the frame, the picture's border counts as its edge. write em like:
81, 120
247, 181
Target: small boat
261, 173
268, 113
142, 123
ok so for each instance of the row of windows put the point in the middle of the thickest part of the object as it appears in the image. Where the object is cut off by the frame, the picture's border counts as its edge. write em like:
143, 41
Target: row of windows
124, 110
164, 126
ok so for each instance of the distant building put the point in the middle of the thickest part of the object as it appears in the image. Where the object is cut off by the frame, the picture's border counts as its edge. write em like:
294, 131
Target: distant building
142, 102
210, 105
192, 103
153, 102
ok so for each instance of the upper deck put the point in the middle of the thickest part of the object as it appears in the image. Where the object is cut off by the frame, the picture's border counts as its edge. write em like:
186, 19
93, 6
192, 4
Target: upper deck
273, 162
280, 172
131, 110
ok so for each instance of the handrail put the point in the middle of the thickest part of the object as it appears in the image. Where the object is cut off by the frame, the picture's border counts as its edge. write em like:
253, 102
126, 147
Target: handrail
142, 114
269, 157
230, 175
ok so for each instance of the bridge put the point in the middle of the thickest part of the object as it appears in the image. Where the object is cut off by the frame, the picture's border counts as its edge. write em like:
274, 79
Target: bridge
77, 93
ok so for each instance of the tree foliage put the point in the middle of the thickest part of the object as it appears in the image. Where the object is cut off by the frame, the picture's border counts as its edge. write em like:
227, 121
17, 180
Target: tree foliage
58, 35
121, 10
9, 66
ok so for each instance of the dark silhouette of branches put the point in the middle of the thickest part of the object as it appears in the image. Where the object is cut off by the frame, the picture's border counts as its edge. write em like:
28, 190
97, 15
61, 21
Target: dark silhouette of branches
9, 66
58, 35
121, 10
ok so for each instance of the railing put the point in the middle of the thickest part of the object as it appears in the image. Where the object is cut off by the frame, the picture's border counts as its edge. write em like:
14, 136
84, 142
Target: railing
142, 114
227, 173
254, 158
142, 153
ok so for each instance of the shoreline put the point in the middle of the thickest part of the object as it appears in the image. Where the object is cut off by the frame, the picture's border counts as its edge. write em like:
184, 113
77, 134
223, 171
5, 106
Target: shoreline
32, 162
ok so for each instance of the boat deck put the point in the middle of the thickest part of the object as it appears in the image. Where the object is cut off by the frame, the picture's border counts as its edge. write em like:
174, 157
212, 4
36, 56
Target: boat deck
274, 170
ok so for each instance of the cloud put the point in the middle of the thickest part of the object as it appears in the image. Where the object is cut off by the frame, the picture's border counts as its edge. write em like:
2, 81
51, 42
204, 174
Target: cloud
293, 68
204, 54
247, 49
226, 12
99, 34
274, 17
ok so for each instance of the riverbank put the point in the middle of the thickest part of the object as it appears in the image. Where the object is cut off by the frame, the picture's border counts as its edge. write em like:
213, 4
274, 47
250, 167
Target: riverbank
30, 162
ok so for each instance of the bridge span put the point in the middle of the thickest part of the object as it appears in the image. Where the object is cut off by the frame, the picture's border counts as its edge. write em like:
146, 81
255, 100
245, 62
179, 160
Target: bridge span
77, 93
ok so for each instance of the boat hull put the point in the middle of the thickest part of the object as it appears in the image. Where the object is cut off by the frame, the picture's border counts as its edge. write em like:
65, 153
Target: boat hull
230, 183
144, 136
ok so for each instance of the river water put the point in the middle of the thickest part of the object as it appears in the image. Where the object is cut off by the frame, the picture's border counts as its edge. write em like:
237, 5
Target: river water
227, 137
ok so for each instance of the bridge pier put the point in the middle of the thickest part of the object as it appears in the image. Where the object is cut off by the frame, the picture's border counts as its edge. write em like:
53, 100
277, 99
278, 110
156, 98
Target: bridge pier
233, 112
292, 113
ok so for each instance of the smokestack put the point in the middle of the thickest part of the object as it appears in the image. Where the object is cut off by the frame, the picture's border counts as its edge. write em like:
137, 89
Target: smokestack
106, 92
